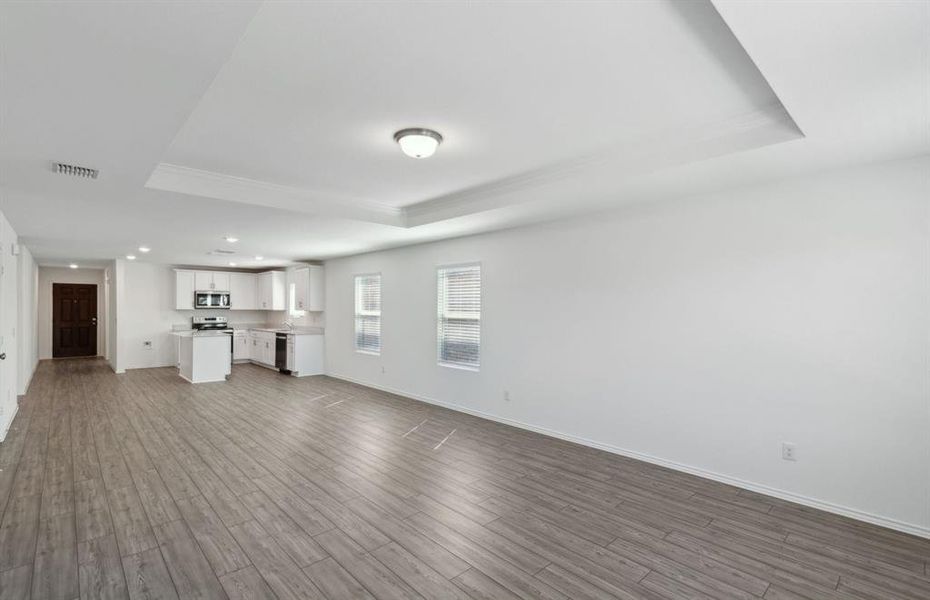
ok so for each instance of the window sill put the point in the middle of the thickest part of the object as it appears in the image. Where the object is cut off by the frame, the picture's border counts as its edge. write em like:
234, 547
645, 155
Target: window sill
459, 367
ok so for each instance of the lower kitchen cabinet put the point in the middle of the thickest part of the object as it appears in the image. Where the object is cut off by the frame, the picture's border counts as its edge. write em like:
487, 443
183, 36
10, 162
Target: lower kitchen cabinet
262, 348
305, 354
242, 346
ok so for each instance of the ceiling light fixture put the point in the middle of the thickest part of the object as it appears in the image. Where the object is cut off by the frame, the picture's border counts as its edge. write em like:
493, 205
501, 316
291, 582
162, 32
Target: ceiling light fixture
130, 257
232, 264
144, 249
259, 258
231, 239
73, 266
417, 142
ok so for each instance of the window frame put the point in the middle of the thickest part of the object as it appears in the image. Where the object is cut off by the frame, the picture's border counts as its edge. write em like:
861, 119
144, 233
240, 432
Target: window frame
439, 315
356, 313
292, 310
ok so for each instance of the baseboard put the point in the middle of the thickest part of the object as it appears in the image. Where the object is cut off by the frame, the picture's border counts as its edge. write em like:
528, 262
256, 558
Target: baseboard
29, 379
6, 426
808, 501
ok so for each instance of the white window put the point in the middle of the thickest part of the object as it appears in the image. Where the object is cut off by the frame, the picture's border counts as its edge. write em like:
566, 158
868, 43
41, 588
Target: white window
459, 319
368, 313
292, 301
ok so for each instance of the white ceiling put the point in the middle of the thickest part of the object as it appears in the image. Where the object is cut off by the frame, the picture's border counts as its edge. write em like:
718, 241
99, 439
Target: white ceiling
273, 121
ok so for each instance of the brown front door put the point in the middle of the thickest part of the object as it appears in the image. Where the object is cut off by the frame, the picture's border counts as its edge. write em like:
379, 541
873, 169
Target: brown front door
74, 319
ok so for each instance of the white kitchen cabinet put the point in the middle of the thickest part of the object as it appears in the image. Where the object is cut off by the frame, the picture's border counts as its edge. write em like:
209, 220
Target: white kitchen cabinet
255, 354
309, 288
203, 280
271, 291
184, 290
305, 354
241, 346
221, 281
243, 291
247, 291
262, 349
211, 281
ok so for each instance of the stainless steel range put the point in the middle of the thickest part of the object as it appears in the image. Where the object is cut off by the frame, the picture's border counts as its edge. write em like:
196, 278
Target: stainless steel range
214, 324
210, 323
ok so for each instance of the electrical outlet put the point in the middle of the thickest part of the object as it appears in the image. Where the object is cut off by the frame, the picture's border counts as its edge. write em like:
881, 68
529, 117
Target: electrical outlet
506, 395
788, 451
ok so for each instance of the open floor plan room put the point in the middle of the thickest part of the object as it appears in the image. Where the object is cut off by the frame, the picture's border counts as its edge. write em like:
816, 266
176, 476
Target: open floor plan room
292, 488
537, 300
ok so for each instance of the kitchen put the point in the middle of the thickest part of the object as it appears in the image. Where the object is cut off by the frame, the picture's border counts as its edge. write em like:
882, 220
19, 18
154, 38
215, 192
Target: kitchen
212, 342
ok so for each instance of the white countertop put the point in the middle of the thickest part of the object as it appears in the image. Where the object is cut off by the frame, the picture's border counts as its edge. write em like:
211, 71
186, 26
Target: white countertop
192, 333
293, 331
205, 333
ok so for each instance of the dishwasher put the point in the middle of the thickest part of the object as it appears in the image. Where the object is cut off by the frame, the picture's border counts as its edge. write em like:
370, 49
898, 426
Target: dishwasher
280, 352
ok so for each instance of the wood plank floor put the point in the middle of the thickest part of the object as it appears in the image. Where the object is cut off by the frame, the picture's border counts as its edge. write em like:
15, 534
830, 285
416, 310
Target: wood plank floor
144, 486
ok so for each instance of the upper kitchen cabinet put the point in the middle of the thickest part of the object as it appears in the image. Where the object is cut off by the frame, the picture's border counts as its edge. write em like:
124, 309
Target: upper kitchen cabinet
243, 291
184, 290
247, 291
309, 288
211, 281
271, 292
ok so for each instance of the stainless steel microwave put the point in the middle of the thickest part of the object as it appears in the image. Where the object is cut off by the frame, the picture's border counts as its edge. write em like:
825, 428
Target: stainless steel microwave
211, 299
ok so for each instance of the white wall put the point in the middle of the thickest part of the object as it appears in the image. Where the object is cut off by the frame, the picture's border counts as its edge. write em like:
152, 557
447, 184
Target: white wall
113, 284
9, 322
50, 275
27, 317
18, 280
699, 334
147, 313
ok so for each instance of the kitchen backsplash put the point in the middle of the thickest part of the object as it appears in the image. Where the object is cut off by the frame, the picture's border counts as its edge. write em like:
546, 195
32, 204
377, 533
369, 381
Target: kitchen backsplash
249, 318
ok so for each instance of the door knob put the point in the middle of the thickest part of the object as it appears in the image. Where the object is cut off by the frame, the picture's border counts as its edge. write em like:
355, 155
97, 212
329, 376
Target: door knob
2, 355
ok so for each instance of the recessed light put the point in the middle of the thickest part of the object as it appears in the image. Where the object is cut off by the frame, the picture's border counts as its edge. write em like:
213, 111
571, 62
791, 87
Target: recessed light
417, 142
232, 264
231, 239
73, 266
144, 249
130, 257
259, 258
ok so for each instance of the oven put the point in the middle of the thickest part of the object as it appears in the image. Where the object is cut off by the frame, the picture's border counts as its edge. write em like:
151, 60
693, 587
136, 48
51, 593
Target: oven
219, 324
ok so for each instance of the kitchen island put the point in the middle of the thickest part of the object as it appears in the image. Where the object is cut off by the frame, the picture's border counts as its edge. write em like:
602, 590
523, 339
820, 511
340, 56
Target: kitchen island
203, 356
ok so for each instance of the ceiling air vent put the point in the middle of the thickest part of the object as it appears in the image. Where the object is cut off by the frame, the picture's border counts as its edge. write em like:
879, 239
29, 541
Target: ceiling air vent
218, 251
75, 170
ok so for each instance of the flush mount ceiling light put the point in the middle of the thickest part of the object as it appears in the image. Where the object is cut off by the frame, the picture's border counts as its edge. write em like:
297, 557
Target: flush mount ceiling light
144, 249
232, 264
417, 142
259, 258
130, 257
231, 239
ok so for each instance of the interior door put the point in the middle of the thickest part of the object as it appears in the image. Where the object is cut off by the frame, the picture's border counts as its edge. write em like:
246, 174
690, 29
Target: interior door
74, 320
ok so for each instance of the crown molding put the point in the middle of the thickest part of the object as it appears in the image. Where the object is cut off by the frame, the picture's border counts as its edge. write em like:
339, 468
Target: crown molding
209, 184
769, 125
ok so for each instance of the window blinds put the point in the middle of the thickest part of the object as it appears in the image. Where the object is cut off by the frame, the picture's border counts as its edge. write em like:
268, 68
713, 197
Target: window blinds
459, 322
368, 313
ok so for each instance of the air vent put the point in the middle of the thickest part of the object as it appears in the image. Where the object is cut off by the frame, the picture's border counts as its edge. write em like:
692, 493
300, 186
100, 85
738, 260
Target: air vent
75, 170
218, 251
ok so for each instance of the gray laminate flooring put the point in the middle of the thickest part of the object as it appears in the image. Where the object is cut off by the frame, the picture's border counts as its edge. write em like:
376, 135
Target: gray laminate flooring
143, 486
